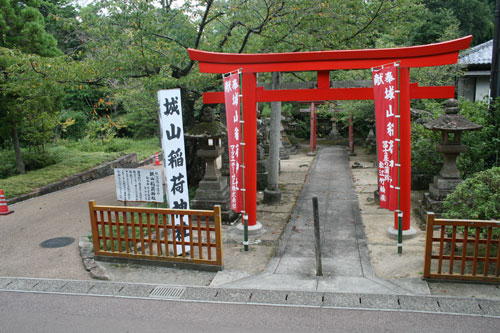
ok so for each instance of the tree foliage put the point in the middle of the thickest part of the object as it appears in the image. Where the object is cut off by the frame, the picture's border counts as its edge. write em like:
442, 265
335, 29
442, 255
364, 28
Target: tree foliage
73, 72
142, 45
475, 17
476, 198
22, 27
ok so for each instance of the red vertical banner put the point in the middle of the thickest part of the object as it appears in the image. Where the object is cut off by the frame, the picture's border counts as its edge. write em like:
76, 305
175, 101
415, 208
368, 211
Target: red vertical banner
232, 97
385, 92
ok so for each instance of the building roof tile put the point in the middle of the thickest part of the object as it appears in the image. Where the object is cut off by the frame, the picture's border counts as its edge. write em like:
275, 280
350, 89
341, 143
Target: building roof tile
477, 55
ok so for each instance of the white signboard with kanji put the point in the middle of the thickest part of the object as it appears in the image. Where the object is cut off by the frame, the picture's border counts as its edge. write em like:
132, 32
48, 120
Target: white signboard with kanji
143, 185
172, 141
173, 148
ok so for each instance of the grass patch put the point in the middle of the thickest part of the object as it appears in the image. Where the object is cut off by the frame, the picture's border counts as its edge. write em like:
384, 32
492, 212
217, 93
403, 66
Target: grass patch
74, 157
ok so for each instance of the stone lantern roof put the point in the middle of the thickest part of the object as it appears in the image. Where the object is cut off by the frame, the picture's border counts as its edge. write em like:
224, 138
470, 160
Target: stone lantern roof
451, 121
207, 130
209, 127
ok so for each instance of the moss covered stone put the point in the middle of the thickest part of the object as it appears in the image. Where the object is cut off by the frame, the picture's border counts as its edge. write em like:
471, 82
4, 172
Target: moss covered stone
207, 129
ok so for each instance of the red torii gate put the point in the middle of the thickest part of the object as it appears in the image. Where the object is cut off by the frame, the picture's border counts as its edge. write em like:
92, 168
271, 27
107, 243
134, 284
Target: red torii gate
444, 53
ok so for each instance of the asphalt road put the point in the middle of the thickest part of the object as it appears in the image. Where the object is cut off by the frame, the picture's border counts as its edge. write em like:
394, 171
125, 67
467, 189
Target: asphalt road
59, 214
31, 312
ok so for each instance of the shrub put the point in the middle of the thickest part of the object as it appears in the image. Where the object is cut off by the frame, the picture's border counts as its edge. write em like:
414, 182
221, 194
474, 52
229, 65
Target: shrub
483, 144
8, 165
266, 111
34, 160
425, 159
72, 124
363, 116
478, 197
302, 129
140, 124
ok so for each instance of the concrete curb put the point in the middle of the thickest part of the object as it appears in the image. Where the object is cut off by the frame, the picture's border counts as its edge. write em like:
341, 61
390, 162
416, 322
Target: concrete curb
88, 259
374, 302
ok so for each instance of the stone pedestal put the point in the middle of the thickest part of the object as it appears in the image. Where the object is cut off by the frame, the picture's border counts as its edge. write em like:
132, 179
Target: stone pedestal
407, 234
266, 146
253, 230
291, 149
224, 170
444, 183
284, 154
263, 134
262, 173
334, 132
287, 146
213, 189
272, 197
439, 189
371, 140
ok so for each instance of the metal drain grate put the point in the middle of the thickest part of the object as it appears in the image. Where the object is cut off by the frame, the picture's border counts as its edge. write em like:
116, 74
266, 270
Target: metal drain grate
167, 292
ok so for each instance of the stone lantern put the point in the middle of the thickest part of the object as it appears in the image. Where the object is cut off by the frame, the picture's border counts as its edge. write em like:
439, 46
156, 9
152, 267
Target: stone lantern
334, 132
213, 189
451, 125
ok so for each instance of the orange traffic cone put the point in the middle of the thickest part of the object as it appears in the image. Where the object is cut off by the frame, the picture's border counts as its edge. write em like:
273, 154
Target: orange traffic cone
4, 210
157, 160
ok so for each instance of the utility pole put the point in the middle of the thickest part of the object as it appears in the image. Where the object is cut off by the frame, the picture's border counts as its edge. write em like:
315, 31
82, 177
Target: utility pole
494, 80
495, 61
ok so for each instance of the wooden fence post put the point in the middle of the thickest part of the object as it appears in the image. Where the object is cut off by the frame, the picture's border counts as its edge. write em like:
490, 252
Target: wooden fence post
428, 245
218, 234
95, 231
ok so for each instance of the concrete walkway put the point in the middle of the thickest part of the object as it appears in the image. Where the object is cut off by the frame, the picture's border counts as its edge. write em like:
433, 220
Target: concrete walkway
346, 264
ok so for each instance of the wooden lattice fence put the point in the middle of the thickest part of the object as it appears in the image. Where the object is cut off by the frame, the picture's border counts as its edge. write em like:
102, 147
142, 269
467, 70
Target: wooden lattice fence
156, 234
462, 250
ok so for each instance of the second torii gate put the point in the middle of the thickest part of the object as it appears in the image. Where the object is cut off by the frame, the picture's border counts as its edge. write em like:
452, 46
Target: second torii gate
444, 53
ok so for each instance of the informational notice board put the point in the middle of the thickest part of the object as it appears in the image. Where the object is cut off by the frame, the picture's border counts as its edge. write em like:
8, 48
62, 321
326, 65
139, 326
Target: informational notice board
143, 185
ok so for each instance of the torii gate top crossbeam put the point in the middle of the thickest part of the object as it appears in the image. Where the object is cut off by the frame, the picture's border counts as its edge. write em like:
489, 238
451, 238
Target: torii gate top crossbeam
437, 54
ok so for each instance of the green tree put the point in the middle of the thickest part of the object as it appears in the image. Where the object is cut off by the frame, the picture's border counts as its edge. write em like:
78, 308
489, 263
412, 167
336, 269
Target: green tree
474, 17
22, 27
33, 76
142, 45
28, 102
61, 21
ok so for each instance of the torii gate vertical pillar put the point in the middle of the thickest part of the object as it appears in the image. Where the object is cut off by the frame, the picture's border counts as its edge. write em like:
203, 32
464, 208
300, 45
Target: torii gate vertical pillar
351, 137
313, 129
249, 86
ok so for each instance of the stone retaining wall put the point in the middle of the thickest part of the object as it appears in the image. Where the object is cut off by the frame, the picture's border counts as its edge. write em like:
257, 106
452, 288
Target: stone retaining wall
103, 170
